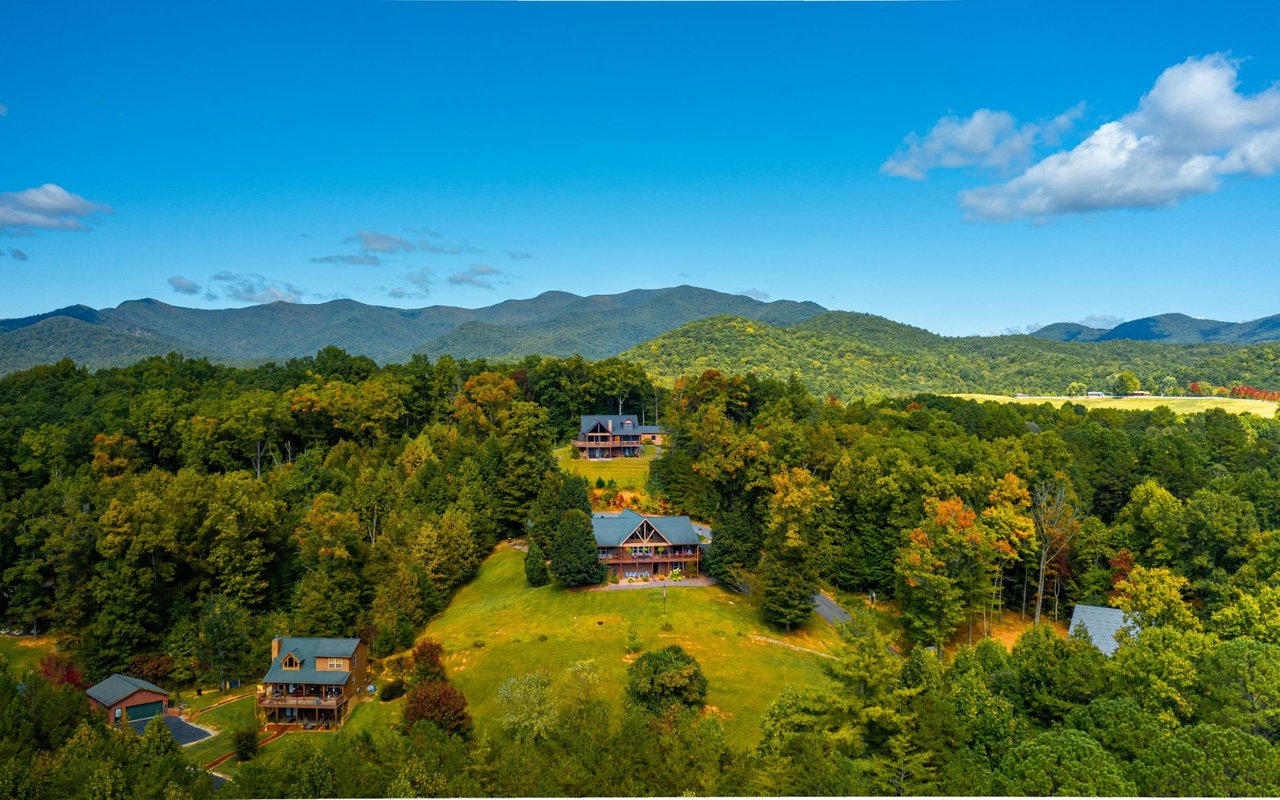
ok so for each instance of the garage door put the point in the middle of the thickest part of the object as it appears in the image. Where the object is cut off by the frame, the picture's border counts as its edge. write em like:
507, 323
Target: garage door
144, 710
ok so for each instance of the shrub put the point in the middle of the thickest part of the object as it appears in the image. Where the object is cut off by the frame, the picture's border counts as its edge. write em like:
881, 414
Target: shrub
245, 743
535, 566
440, 704
661, 679
392, 690
427, 663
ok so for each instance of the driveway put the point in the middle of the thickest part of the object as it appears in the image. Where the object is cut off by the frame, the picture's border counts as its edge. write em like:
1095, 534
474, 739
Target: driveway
184, 733
828, 610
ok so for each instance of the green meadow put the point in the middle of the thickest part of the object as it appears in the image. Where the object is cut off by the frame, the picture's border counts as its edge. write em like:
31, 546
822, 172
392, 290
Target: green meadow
629, 473
497, 627
1179, 405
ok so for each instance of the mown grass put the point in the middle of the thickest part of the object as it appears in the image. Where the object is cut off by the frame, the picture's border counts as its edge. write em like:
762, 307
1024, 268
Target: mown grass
224, 719
497, 627
1179, 405
629, 473
24, 652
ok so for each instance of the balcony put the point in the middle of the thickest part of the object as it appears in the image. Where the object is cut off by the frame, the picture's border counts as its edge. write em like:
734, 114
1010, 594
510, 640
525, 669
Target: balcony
647, 557
270, 699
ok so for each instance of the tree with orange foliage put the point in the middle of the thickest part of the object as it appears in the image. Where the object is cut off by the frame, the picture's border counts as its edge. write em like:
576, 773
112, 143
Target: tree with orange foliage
938, 567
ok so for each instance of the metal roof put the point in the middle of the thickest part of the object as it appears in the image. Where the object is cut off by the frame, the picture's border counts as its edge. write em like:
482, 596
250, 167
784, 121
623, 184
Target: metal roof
612, 529
308, 651
1101, 623
112, 690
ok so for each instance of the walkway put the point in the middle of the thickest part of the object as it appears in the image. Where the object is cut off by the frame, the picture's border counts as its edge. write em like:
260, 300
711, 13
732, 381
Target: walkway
828, 610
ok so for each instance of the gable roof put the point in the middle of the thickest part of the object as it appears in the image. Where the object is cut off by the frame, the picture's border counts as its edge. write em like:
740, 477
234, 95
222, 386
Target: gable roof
1101, 623
117, 687
589, 421
612, 530
308, 650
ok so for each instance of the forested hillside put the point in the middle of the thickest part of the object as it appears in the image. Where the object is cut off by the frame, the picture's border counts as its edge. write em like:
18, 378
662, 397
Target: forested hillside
169, 517
857, 355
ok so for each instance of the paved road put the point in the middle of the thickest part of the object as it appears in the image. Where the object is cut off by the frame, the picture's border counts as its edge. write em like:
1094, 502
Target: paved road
702, 530
828, 610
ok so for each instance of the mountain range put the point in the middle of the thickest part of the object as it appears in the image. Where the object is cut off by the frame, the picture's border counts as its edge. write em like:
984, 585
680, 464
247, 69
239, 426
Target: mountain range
676, 331
1175, 328
553, 323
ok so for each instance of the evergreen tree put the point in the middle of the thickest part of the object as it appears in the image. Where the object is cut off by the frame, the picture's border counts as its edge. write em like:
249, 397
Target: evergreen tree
535, 566
788, 582
573, 551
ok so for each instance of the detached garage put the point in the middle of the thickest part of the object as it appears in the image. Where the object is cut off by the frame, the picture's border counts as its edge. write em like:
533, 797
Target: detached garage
121, 696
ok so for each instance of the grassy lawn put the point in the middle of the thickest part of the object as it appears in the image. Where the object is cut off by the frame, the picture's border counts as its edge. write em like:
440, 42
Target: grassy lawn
374, 716
497, 627
209, 697
630, 473
1179, 405
224, 719
24, 652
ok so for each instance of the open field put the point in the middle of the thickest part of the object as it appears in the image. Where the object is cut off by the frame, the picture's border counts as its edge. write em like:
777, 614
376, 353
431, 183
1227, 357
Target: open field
24, 652
1179, 405
630, 473
497, 627
223, 719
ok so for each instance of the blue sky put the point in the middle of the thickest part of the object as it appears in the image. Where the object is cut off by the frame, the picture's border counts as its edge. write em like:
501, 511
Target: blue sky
970, 167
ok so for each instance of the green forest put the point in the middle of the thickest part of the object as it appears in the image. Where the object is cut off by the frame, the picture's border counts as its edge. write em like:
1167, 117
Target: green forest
170, 517
850, 356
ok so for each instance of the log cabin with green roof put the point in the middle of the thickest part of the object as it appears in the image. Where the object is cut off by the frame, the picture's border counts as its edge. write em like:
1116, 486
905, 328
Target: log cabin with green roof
632, 545
312, 682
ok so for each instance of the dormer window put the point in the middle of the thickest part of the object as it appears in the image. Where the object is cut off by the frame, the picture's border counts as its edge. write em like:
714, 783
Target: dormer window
627, 425
290, 662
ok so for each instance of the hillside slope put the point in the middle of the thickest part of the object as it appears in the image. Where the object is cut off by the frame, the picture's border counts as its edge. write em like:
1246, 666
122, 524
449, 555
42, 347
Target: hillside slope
1168, 328
851, 355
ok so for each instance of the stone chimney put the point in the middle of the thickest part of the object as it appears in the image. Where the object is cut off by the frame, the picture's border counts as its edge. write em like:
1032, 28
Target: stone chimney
275, 648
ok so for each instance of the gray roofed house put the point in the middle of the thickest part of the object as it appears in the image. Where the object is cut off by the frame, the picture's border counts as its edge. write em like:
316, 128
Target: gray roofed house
117, 687
614, 436
637, 546
1101, 623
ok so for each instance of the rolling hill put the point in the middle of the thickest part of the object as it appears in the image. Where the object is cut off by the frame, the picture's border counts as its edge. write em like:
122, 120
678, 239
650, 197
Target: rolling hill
855, 355
553, 323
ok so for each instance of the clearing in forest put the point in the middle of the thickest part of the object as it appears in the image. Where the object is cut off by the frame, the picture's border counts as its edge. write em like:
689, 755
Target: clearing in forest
1178, 405
497, 627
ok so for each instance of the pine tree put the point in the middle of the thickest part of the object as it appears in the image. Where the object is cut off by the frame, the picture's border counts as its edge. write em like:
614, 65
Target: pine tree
789, 582
535, 566
573, 551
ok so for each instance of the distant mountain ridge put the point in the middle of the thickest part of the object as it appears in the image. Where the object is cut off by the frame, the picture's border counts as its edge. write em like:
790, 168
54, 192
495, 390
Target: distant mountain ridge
1173, 328
553, 323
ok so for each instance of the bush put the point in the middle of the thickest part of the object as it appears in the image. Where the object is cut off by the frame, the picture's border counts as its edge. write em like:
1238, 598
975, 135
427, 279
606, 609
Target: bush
392, 690
440, 704
661, 679
427, 664
535, 566
245, 743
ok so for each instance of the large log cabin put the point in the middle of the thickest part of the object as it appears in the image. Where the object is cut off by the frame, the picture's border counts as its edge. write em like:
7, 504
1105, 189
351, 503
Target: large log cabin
636, 546
614, 436
312, 682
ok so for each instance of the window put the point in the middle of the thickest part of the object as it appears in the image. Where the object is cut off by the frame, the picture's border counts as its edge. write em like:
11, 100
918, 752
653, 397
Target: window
335, 663
289, 662
626, 425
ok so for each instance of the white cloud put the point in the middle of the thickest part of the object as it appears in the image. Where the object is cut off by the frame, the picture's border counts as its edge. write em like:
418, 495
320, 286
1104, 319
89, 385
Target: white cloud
375, 242
253, 288
477, 275
357, 260
47, 207
986, 138
183, 285
1190, 130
